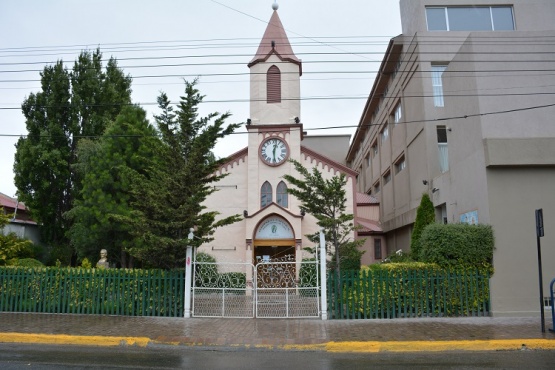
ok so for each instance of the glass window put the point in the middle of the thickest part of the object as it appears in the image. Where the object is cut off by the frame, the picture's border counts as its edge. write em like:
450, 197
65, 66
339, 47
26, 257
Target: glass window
377, 187
374, 149
398, 114
470, 18
281, 195
437, 84
385, 133
502, 18
387, 177
377, 249
400, 164
442, 149
437, 21
265, 194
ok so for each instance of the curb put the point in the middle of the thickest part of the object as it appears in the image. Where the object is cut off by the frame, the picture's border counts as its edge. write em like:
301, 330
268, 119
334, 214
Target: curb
353, 347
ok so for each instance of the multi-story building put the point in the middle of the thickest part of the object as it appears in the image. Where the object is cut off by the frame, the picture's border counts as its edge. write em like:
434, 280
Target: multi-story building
462, 110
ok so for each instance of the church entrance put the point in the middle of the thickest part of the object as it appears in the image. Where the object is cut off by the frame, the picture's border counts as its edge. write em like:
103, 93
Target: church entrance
272, 285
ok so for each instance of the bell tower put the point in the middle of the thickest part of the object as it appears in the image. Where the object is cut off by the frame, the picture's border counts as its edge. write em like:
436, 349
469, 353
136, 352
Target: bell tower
275, 74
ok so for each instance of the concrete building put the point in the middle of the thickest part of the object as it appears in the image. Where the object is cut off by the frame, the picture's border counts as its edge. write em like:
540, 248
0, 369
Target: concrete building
462, 110
273, 226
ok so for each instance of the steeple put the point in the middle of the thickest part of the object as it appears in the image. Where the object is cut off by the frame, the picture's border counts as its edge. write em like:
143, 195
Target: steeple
275, 41
275, 78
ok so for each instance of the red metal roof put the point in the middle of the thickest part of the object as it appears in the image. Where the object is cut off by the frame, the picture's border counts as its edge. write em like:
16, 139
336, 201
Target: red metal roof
9, 202
275, 41
363, 198
368, 225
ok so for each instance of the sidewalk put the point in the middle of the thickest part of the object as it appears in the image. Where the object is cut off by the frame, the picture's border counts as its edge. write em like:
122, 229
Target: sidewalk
482, 333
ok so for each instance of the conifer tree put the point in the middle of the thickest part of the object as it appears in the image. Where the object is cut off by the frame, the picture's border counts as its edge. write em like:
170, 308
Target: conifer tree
107, 167
169, 196
71, 105
425, 215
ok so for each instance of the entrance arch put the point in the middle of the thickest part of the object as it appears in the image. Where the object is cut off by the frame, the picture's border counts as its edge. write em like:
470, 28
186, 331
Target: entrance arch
274, 240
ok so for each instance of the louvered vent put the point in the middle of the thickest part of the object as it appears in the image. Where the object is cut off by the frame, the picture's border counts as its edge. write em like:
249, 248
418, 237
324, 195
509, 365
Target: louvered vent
273, 81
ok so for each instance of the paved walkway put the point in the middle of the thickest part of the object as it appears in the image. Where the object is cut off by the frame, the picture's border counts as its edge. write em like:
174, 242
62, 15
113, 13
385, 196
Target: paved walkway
483, 333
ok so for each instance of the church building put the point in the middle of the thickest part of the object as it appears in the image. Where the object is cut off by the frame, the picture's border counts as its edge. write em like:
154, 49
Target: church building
273, 227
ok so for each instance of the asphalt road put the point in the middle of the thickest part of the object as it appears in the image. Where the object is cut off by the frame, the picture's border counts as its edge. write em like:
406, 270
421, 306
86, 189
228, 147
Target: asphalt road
17, 356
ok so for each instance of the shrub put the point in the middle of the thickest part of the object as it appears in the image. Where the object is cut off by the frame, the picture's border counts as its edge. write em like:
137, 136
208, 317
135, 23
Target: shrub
350, 257
25, 262
457, 244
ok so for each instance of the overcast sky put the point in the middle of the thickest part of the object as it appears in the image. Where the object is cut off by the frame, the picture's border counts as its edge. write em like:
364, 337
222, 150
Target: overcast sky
159, 43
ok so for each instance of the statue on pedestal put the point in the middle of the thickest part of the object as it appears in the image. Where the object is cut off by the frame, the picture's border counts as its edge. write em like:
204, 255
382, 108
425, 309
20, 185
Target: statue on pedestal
103, 261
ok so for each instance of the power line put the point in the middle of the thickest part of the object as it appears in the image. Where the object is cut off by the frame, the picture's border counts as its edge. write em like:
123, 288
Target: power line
443, 119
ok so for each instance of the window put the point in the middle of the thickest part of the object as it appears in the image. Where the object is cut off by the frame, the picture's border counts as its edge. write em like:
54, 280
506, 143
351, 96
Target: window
385, 133
386, 177
466, 18
397, 114
377, 249
442, 148
368, 160
376, 187
400, 164
374, 149
437, 83
265, 194
281, 195
273, 85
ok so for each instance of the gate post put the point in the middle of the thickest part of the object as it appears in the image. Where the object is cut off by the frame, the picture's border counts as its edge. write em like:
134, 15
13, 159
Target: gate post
188, 274
323, 280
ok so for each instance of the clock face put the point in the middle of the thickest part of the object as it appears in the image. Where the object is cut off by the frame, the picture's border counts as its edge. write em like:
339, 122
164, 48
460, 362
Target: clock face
274, 151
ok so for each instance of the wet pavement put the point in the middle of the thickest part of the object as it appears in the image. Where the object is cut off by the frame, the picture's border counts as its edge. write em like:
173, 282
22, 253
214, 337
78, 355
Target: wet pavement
275, 332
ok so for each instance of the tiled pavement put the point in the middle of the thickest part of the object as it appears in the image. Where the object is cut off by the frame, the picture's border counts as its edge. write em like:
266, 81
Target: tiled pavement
276, 332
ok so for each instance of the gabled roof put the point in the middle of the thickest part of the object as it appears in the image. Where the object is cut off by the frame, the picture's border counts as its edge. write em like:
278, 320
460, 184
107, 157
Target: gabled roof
9, 202
275, 41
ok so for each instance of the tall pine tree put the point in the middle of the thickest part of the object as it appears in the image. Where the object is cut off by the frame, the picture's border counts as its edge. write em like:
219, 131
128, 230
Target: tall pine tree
107, 167
70, 105
170, 195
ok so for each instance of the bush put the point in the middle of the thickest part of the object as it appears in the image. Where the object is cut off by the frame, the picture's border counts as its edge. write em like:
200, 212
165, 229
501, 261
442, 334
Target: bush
413, 289
25, 262
349, 256
457, 244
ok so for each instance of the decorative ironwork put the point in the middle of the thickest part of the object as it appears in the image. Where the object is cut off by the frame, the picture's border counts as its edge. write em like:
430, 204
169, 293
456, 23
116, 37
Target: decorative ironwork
225, 289
221, 290
276, 273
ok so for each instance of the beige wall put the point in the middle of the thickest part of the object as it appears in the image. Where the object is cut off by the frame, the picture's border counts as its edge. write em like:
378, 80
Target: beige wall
276, 113
333, 147
530, 15
515, 193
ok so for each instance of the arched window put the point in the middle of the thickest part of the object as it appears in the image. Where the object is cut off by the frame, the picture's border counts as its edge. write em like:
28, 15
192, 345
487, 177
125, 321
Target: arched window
265, 194
281, 195
273, 85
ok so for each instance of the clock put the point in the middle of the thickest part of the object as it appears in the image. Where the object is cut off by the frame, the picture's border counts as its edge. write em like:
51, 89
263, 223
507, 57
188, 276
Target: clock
274, 151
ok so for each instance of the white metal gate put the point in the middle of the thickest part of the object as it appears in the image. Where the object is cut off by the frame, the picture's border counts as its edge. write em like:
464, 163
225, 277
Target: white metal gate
270, 289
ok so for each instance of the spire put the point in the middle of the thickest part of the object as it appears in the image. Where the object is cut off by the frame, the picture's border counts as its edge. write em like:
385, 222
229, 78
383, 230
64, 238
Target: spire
275, 41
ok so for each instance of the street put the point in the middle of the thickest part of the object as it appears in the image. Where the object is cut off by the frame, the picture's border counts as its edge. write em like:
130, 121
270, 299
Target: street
17, 356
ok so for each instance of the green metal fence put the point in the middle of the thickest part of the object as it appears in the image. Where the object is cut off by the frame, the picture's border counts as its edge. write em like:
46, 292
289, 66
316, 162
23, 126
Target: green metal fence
385, 294
92, 291
367, 294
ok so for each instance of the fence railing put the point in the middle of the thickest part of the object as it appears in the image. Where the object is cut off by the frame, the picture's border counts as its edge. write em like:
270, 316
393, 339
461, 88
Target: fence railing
385, 294
92, 291
357, 295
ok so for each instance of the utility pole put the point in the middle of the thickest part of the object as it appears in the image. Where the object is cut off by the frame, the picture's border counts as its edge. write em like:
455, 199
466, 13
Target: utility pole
188, 274
323, 280
539, 234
